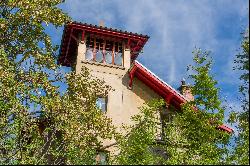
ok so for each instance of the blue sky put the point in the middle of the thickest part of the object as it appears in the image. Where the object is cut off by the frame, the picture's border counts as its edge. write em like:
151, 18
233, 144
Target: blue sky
175, 28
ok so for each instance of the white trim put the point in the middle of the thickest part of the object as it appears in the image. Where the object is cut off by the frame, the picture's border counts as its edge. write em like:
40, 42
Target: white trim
161, 80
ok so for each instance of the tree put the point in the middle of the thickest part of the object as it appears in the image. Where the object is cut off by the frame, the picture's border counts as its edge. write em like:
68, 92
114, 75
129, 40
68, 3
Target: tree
136, 146
241, 153
38, 123
199, 139
192, 137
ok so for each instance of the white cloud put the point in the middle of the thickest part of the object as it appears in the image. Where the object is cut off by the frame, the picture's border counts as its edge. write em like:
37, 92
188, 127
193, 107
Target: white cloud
174, 27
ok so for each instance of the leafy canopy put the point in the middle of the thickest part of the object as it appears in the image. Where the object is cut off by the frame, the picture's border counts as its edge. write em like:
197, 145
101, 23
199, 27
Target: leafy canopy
38, 123
191, 138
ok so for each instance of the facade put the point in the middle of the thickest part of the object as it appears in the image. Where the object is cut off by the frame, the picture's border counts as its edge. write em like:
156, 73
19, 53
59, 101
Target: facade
111, 54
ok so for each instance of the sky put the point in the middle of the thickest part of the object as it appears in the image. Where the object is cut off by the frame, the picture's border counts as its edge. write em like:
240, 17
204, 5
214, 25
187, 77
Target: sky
175, 28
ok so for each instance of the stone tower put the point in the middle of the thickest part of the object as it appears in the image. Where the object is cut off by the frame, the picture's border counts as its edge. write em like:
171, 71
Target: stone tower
111, 54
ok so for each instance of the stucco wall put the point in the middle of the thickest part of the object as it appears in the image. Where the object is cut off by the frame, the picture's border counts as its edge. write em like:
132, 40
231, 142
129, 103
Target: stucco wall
123, 102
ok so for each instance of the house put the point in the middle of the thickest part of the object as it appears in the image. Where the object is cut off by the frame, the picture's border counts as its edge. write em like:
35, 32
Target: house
111, 54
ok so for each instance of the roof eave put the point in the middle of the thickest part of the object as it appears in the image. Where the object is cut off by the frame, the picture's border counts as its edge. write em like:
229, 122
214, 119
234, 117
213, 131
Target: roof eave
157, 81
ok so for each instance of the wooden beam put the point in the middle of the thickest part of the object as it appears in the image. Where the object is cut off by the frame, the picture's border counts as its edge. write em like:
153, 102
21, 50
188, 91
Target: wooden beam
94, 50
169, 97
83, 35
73, 36
104, 51
131, 76
71, 31
113, 54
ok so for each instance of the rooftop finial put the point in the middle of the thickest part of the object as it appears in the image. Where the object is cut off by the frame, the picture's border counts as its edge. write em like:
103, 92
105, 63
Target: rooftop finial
101, 23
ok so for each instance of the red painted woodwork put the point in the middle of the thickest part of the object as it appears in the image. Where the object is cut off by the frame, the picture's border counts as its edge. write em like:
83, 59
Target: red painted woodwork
225, 128
165, 91
133, 40
169, 97
83, 35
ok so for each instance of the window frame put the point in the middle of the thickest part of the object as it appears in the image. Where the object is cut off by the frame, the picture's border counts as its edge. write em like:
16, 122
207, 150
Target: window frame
106, 103
167, 115
94, 43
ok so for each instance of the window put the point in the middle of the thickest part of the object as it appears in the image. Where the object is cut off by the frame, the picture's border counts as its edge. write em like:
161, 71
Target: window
167, 114
89, 54
101, 103
104, 51
102, 158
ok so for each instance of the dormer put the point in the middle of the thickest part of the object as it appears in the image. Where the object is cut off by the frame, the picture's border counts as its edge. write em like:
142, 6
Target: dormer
83, 42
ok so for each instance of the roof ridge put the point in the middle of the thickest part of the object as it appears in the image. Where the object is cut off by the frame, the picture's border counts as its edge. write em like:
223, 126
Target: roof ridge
111, 29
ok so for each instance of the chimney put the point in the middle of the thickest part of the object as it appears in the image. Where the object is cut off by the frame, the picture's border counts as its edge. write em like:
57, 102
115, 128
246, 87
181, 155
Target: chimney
186, 90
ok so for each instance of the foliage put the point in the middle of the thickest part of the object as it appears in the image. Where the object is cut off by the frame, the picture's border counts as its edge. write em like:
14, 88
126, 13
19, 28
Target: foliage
136, 147
39, 124
192, 137
83, 124
241, 153
199, 141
